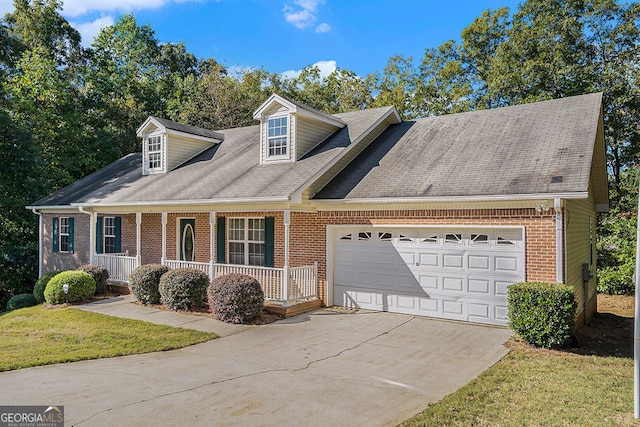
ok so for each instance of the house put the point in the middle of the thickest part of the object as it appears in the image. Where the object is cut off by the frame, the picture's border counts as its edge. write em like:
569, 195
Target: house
434, 217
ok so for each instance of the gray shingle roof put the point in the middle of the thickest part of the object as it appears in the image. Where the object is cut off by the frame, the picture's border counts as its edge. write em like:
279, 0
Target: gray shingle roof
188, 129
537, 148
119, 173
229, 170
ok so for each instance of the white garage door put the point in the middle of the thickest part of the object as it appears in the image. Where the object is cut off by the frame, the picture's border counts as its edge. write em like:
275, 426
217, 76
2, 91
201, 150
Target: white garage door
450, 273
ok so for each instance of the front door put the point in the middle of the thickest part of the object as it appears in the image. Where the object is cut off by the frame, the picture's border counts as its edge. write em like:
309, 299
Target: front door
187, 239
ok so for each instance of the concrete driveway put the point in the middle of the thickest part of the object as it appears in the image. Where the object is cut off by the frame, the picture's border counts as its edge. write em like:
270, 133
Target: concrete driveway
329, 367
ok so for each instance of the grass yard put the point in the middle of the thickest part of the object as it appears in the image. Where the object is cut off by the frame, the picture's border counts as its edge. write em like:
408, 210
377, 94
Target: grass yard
38, 336
591, 385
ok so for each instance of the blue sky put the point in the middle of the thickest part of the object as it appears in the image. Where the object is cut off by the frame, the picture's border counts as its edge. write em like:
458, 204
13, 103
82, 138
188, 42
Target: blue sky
287, 35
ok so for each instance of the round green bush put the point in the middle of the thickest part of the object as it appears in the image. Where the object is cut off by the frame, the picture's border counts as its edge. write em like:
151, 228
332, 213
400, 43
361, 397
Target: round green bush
184, 289
542, 314
41, 284
99, 273
21, 301
144, 282
235, 298
81, 286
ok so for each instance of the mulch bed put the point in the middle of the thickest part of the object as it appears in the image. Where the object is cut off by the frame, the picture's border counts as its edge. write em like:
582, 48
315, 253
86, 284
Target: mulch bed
609, 335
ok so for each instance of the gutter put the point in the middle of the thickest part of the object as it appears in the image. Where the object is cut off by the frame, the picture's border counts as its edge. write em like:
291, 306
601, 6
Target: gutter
450, 199
200, 202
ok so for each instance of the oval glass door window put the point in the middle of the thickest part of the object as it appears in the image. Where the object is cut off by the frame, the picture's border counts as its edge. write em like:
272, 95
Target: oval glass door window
188, 237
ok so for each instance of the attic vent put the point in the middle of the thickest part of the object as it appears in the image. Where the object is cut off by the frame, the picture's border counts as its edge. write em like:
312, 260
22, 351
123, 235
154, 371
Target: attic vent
556, 179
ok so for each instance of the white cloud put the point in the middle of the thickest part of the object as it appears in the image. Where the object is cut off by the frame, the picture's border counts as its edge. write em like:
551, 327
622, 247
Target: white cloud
323, 28
74, 8
81, 7
325, 67
89, 30
303, 12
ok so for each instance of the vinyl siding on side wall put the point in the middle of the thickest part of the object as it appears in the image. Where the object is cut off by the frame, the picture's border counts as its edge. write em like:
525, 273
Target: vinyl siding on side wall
181, 149
580, 248
310, 133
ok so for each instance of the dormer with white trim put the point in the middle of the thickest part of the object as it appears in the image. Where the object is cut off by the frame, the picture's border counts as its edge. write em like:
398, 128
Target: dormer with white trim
289, 130
167, 144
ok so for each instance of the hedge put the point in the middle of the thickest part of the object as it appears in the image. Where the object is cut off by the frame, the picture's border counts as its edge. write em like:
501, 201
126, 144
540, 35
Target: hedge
542, 314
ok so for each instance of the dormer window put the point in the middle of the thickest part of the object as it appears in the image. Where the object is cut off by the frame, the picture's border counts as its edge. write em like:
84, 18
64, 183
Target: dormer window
288, 130
277, 136
154, 152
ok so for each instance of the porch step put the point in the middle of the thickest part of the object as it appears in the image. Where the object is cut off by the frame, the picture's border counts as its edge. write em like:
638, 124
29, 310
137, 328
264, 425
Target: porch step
294, 309
118, 288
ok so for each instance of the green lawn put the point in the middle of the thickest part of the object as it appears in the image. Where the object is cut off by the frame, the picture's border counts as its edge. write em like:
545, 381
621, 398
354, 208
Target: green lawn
527, 389
37, 336
588, 386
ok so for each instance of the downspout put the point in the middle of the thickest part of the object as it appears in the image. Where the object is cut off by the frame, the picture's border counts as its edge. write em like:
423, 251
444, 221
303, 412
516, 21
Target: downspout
557, 205
40, 241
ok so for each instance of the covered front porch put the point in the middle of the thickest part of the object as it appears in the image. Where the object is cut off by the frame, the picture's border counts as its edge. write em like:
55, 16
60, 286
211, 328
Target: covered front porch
283, 286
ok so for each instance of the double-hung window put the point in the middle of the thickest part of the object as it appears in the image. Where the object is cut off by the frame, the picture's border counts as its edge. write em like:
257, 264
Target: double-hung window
277, 136
154, 152
109, 234
63, 234
246, 241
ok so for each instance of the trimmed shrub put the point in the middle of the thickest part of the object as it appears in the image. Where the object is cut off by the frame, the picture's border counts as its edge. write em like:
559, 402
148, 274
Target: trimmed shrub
99, 273
21, 301
542, 314
235, 298
81, 286
184, 289
616, 280
41, 284
144, 282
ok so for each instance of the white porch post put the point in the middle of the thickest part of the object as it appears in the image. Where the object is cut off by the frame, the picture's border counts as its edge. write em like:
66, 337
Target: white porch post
164, 238
93, 219
212, 252
287, 221
138, 239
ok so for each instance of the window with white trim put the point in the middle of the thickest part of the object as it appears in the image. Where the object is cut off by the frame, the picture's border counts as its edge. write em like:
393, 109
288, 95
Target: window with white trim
277, 131
246, 241
109, 234
63, 234
154, 152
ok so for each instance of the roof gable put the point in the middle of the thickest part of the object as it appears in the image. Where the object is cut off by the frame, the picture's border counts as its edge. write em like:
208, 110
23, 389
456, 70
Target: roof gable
153, 124
279, 103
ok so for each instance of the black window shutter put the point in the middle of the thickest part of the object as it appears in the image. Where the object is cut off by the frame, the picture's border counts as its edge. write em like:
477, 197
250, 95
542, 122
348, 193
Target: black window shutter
55, 234
269, 241
118, 224
71, 235
220, 239
99, 235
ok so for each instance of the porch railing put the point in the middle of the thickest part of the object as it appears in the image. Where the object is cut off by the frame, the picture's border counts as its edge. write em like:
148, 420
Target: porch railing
118, 265
173, 264
302, 281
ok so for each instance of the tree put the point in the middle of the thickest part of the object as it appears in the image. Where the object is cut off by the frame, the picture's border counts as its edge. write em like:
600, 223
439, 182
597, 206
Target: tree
122, 79
340, 91
396, 86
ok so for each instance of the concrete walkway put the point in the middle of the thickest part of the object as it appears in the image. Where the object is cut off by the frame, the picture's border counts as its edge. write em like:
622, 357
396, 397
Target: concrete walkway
124, 306
325, 368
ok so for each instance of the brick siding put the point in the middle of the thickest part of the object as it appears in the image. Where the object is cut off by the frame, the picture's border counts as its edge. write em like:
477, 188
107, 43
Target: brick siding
308, 235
